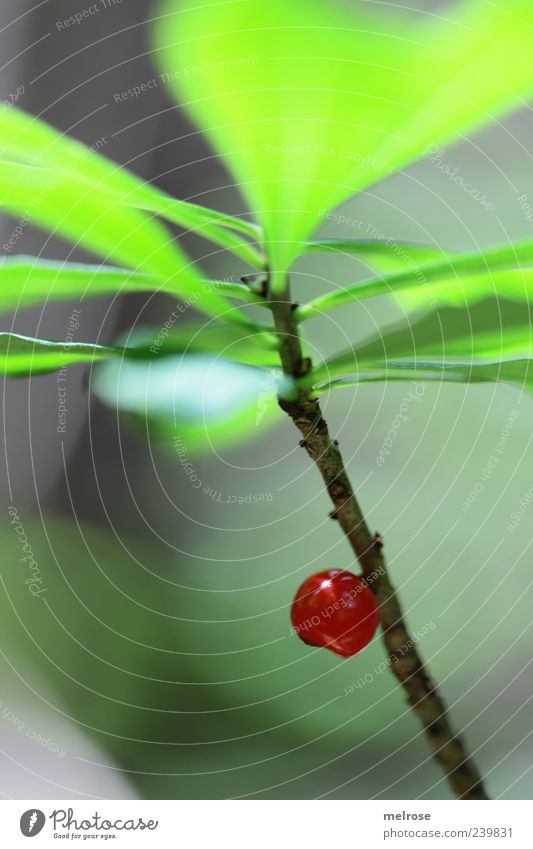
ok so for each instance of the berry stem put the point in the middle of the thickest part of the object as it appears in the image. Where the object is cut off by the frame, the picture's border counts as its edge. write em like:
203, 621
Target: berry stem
404, 659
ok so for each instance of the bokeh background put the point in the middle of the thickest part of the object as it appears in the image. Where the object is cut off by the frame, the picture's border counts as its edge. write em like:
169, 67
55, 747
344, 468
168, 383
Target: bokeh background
162, 664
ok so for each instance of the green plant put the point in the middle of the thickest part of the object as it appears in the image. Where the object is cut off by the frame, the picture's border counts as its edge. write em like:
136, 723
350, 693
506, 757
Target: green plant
307, 104
335, 610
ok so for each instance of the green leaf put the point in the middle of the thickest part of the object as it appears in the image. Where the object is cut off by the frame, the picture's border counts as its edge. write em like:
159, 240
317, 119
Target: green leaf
27, 139
239, 291
254, 348
61, 191
59, 202
26, 281
452, 269
25, 356
494, 329
309, 103
518, 372
387, 254
22, 356
142, 198
65, 204
511, 284
195, 403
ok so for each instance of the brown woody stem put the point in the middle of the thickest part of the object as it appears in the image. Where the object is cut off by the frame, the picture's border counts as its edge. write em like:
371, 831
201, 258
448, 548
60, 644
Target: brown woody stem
405, 662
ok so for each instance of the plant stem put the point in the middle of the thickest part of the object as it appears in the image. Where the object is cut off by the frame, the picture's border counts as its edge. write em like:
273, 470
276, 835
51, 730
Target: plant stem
405, 662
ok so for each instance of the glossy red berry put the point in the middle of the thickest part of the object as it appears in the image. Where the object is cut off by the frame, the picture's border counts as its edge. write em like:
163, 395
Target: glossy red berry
335, 610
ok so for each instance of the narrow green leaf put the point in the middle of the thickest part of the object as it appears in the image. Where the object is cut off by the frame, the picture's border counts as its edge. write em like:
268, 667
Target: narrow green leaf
216, 227
58, 201
494, 329
239, 291
514, 284
309, 102
25, 356
203, 222
255, 348
26, 281
518, 372
389, 253
22, 356
453, 268
194, 403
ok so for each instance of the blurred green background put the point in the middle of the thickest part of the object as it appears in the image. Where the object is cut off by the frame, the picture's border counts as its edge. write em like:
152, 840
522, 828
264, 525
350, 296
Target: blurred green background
160, 660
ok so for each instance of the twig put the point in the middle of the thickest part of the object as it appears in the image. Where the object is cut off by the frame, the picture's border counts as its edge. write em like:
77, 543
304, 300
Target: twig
405, 662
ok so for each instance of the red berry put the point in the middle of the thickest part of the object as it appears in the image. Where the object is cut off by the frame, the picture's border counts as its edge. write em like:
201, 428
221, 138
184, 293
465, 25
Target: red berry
335, 610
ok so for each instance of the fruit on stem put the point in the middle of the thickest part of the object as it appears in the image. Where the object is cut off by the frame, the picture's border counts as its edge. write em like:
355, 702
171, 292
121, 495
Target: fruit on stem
335, 610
